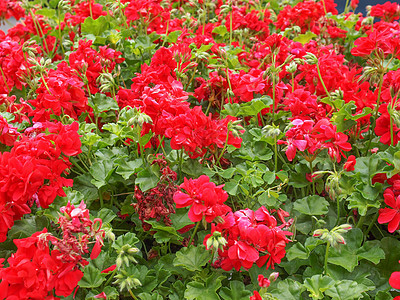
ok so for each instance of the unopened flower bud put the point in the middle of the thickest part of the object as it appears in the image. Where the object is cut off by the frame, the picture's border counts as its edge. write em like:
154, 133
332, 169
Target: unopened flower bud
133, 250
310, 58
273, 276
343, 228
318, 232
292, 67
216, 240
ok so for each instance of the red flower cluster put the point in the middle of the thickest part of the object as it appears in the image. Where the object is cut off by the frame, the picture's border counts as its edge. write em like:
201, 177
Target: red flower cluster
36, 271
390, 215
187, 128
12, 64
11, 8
304, 14
32, 170
83, 10
206, 200
388, 11
313, 137
60, 92
8, 133
377, 42
157, 203
89, 63
249, 236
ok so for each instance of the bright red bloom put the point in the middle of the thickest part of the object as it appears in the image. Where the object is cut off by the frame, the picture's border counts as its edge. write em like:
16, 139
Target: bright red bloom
394, 280
387, 12
256, 296
350, 163
262, 281
109, 269
84, 10
204, 198
8, 133
252, 237
390, 215
354, 4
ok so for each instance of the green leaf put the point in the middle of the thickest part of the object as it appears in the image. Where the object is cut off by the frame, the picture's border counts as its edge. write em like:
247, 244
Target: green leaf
348, 255
317, 285
220, 30
343, 258
173, 36
180, 218
204, 291
192, 258
305, 38
126, 239
101, 172
95, 27
236, 291
231, 187
372, 251
368, 167
312, 205
177, 291
100, 103
83, 184
111, 292
106, 215
92, 277
297, 251
147, 296
47, 12
127, 168
382, 295
357, 201
146, 180
346, 290
287, 290
163, 233
26, 227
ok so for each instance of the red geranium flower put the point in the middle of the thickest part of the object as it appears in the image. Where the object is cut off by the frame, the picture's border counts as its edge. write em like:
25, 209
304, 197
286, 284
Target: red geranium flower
205, 198
350, 163
390, 215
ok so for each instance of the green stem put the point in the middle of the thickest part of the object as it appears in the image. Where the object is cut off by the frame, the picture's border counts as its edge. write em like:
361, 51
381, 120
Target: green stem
292, 82
326, 258
223, 149
180, 164
338, 210
312, 180
391, 131
378, 101
323, 2
276, 154
231, 30
360, 222
141, 147
371, 225
208, 107
273, 94
322, 81
101, 198
346, 7
5, 80
194, 233
132, 295
111, 277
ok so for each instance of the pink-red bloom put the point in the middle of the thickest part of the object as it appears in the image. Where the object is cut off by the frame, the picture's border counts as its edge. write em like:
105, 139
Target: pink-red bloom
390, 215
204, 198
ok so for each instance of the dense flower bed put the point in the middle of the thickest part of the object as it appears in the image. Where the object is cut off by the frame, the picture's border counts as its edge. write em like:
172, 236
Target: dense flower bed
210, 149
